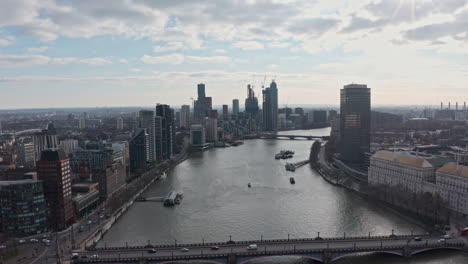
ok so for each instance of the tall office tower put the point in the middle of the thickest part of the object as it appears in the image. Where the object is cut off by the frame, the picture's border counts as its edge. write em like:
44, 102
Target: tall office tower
185, 116
209, 105
69, 146
235, 107
146, 121
270, 108
199, 111
251, 103
355, 112
119, 123
225, 112
46, 139
166, 135
53, 168
211, 129
25, 154
138, 147
81, 123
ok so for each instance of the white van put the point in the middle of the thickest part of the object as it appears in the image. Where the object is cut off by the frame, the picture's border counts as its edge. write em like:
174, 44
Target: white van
252, 247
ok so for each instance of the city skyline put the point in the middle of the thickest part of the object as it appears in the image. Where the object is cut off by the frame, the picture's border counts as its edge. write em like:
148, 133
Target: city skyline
403, 49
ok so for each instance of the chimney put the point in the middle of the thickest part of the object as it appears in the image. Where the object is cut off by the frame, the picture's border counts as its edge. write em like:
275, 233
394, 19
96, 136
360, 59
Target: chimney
449, 105
456, 106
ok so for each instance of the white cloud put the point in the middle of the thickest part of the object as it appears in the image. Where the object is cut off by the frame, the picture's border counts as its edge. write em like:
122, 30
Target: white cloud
170, 46
273, 66
220, 50
177, 58
123, 61
37, 49
174, 58
277, 44
135, 70
96, 61
6, 41
11, 61
248, 45
209, 59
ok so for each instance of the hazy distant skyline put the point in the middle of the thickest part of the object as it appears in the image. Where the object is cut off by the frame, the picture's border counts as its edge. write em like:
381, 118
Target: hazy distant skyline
61, 53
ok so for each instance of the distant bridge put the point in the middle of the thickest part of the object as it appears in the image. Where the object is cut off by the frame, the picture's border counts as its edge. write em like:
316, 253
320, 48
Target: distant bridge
324, 250
278, 136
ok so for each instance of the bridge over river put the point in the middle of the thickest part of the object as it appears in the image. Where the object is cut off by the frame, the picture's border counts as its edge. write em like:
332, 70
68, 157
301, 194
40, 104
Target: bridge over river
284, 136
324, 250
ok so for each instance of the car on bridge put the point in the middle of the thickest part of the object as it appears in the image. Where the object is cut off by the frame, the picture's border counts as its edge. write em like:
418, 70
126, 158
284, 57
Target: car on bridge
184, 250
214, 248
152, 251
252, 247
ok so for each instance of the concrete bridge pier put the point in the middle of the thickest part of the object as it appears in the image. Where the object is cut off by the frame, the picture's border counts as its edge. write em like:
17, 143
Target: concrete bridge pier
232, 258
327, 256
407, 252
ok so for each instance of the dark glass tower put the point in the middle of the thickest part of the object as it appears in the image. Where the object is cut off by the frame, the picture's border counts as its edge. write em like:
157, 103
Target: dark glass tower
165, 137
355, 122
270, 108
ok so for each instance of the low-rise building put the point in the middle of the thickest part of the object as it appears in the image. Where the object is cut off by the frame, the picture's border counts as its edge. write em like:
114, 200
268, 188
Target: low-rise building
400, 169
23, 208
85, 197
452, 186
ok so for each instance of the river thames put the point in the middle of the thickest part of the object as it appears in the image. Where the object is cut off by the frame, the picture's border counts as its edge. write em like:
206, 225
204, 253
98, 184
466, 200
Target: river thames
218, 203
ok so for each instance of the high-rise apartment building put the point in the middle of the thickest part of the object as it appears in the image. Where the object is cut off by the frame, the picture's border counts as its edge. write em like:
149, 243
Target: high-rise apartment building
211, 125
235, 107
270, 108
147, 121
200, 105
53, 168
225, 112
46, 139
138, 147
25, 154
185, 116
355, 122
166, 133
119, 123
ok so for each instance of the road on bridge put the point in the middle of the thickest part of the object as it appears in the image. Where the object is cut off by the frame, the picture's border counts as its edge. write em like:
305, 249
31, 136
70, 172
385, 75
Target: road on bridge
234, 248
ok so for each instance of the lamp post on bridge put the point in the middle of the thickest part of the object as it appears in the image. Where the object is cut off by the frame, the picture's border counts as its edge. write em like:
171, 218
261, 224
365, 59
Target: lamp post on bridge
175, 242
288, 236
261, 238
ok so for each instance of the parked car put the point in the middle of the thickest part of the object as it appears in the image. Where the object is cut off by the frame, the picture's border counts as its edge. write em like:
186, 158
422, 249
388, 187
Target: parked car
446, 237
3, 246
94, 256
21, 241
33, 240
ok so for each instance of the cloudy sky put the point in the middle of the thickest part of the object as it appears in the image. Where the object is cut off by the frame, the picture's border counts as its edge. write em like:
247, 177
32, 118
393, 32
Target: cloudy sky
64, 53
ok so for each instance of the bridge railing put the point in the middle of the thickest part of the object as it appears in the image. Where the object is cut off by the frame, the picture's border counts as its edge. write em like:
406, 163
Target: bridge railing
261, 241
260, 252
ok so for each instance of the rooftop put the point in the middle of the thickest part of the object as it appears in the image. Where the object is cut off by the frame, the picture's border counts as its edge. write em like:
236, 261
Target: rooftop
454, 169
5, 183
403, 158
